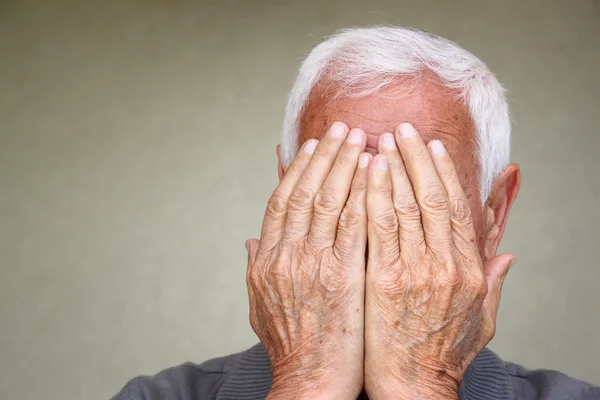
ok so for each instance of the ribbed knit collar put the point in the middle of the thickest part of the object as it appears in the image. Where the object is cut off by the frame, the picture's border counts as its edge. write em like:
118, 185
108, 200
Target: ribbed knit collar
250, 379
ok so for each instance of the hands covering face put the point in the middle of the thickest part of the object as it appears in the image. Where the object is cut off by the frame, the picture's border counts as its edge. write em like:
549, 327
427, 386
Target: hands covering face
409, 322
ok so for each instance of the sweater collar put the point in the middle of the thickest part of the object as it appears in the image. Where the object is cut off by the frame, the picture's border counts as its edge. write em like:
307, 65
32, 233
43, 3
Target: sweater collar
250, 378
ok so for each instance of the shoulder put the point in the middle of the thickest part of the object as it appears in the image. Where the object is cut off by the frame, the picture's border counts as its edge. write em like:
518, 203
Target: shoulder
490, 378
184, 382
544, 384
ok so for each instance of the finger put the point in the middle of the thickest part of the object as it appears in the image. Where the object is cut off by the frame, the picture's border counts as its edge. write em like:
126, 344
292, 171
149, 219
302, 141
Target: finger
463, 232
495, 271
275, 216
300, 208
351, 238
407, 210
429, 191
382, 225
332, 196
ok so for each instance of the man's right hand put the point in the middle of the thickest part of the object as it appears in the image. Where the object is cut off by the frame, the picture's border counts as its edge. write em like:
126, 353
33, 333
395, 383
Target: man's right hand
306, 275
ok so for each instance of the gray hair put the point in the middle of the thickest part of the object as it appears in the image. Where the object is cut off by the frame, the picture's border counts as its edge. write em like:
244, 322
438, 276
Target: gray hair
363, 60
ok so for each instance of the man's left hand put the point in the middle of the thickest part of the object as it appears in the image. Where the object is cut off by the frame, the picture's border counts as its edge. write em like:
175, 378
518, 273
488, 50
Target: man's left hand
431, 302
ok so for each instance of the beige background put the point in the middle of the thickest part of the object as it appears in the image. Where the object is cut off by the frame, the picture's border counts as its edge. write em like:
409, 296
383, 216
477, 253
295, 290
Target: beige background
137, 153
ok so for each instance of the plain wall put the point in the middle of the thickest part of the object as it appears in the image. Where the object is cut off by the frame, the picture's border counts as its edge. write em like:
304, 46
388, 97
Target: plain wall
137, 153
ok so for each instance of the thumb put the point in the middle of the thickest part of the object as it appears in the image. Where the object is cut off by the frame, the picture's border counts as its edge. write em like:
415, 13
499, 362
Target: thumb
495, 270
252, 248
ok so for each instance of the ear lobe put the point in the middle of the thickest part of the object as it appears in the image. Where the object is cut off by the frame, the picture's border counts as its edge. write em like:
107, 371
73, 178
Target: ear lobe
504, 193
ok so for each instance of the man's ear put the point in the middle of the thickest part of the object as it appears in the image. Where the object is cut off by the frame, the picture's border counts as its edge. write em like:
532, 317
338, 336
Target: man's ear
504, 192
280, 167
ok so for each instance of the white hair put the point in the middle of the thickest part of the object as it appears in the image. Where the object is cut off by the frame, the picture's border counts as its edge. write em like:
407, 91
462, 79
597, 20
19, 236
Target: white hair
363, 60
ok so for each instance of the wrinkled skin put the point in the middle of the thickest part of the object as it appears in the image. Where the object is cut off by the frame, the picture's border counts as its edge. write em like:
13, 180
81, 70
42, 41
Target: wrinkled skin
306, 276
431, 301
425, 304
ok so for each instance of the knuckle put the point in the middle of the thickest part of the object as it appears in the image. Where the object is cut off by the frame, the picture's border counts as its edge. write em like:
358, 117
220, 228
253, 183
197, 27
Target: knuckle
434, 200
398, 168
276, 273
350, 218
359, 185
477, 285
256, 274
326, 203
383, 188
344, 248
253, 280
452, 281
343, 159
316, 242
277, 205
386, 220
301, 198
407, 207
295, 169
390, 283
460, 211
325, 151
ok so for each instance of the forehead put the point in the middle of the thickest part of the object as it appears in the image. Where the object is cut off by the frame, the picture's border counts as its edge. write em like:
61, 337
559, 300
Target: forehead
435, 110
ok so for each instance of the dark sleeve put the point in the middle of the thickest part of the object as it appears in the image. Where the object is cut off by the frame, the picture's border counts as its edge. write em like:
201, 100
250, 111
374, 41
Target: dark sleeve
185, 382
549, 385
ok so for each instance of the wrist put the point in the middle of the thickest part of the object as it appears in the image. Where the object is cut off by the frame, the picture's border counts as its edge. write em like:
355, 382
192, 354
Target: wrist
413, 388
425, 393
299, 394
309, 394
302, 378
310, 389
412, 393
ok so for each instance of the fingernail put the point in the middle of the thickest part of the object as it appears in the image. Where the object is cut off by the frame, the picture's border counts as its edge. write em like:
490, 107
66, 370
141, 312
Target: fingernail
310, 146
388, 141
512, 263
382, 163
437, 147
356, 136
363, 160
407, 130
336, 130
247, 246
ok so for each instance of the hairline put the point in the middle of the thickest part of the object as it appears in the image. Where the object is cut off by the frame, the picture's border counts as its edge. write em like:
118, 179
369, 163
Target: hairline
480, 91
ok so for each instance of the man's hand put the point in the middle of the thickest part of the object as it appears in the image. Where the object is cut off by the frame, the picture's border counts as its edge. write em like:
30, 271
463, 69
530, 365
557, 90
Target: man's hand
431, 303
306, 275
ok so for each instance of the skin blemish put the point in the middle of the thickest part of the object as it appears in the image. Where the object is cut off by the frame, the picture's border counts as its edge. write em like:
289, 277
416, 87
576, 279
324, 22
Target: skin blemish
344, 330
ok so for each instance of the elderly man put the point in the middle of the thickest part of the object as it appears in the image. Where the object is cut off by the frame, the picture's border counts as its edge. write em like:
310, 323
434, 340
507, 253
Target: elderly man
376, 272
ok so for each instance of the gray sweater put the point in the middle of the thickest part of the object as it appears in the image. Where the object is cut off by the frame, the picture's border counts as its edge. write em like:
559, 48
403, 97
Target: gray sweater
247, 375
